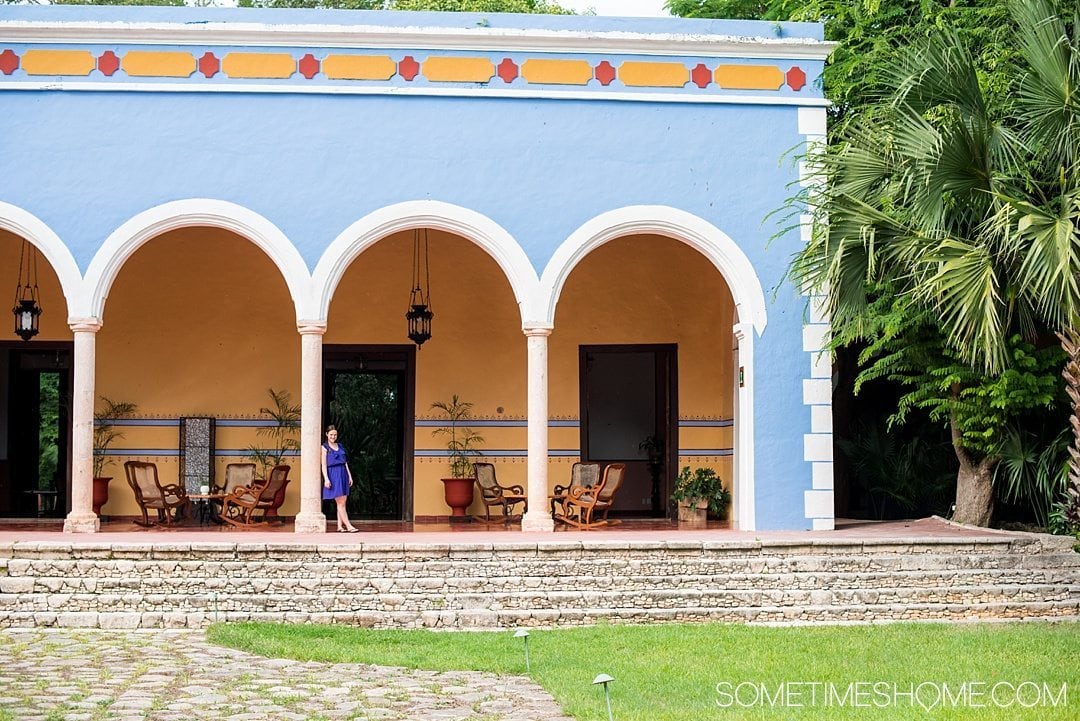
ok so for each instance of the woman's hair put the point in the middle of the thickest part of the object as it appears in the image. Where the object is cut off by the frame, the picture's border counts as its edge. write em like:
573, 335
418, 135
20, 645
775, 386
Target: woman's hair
331, 427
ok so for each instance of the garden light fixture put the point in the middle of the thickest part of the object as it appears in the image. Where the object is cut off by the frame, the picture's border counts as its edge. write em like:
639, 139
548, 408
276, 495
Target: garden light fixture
522, 633
605, 679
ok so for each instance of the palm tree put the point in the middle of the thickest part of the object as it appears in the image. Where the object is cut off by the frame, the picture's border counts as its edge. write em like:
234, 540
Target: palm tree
970, 209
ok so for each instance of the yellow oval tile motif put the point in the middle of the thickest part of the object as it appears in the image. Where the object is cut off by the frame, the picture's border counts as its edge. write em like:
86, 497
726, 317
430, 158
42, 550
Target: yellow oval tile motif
749, 77
557, 72
151, 64
58, 62
458, 70
258, 65
359, 67
653, 75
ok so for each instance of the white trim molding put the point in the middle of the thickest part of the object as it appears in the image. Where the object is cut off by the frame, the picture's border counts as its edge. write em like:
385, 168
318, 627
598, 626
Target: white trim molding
743, 504
32, 229
434, 214
473, 38
723, 252
470, 91
194, 212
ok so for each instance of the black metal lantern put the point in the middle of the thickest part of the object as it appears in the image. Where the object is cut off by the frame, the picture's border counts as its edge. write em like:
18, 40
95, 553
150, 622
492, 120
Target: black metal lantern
27, 310
419, 314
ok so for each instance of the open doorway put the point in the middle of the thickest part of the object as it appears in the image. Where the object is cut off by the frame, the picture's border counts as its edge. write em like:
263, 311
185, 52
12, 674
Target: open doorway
35, 445
629, 415
368, 394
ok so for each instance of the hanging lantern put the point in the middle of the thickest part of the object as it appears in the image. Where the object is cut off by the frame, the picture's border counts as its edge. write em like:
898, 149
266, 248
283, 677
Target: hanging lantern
27, 310
419, 314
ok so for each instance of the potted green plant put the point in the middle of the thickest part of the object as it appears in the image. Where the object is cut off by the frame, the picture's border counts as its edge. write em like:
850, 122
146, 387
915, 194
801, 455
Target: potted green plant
461, 442
282, 432
105, 434
699, 492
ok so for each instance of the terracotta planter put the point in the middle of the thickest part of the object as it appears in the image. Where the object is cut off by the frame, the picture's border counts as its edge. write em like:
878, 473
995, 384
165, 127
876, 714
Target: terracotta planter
693, 515
101, 493
459, 495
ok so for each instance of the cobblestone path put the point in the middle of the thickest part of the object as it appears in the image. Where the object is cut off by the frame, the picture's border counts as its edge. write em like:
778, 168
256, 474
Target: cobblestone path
73, 675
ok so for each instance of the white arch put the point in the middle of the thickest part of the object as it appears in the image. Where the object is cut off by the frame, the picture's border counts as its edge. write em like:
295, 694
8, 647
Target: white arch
699, 234
129, 237
745, 287
374, 226
28, 226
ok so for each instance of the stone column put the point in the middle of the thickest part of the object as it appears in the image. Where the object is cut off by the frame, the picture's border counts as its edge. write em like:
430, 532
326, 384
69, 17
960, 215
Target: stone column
82, 518
539, 516
310, 519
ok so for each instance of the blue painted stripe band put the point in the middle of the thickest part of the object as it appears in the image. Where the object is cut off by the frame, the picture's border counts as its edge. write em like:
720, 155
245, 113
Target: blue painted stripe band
420, 423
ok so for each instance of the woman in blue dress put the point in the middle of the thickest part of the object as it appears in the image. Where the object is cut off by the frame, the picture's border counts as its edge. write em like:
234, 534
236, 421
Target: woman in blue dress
337, 479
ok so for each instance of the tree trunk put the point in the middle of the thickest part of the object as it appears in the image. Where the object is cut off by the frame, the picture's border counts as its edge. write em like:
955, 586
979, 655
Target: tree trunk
1070, 342
974, 485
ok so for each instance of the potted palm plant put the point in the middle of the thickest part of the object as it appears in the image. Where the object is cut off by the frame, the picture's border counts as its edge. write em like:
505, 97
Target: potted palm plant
105, 434
698, 493
461, 442
284, 417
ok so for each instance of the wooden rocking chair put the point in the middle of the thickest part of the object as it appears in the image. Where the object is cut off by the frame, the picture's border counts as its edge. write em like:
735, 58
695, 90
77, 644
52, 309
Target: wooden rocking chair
236, 476
238, 508
583, 502
151, 495
493, 494
581, 474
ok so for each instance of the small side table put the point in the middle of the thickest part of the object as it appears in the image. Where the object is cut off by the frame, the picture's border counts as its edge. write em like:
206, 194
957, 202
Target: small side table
205, 510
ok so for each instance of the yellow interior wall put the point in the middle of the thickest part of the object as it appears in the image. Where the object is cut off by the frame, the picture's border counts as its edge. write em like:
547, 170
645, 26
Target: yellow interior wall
477, 349
198, 322
52, 323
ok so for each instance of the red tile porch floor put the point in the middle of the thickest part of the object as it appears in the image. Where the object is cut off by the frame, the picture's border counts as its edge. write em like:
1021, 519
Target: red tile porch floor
476, 532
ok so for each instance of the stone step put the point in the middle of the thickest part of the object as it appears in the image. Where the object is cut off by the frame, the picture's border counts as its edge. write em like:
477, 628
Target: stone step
138, 583
971, 597
480, 619
551, 568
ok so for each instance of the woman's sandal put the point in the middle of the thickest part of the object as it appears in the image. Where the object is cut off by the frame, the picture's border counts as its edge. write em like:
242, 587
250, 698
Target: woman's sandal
352, 530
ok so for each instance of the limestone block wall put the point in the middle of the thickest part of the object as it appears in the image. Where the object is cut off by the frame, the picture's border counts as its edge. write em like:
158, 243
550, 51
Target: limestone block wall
484, 585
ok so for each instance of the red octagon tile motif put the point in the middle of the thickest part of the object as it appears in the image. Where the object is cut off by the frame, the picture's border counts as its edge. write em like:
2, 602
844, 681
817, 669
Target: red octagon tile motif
408, 68
701, 75
209, 65
796, 78
308, 66
9, 62
108, 63
605, 72
508, 70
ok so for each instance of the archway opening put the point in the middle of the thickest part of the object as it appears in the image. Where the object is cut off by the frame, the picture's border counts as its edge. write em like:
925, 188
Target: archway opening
35, 396
655, 311
476, 352
198, 324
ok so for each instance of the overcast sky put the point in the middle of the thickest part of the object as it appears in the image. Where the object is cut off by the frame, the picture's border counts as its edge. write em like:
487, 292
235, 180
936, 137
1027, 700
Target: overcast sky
630, 8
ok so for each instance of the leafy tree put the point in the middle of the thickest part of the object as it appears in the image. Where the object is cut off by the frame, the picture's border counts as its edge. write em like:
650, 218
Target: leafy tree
869, 32
964, 201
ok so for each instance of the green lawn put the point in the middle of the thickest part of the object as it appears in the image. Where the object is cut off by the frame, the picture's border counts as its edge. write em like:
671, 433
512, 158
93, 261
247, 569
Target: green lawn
693, 672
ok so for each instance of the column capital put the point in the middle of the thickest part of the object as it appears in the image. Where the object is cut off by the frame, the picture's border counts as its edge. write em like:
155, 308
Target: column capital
537, 329
84, 325
311, 327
